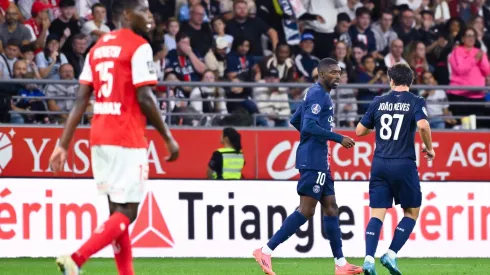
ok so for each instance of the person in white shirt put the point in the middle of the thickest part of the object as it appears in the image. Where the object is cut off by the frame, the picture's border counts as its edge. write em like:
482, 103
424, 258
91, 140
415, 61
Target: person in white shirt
50, 59
96, 28
7, 59
219, 30
437, 104
395, 55
350, 8
173, 27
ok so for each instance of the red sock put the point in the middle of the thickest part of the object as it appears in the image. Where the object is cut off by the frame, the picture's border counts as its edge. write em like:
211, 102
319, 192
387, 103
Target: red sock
123, 254
111, 230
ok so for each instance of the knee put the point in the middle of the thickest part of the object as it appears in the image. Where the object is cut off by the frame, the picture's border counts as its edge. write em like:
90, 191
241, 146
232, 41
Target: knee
130, 213
412, 213
307, 211
331, 210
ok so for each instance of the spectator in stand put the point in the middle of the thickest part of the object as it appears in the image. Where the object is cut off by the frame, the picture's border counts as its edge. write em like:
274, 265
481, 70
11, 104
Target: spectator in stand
186, 64
406, 28
359, 50
384, 33
12, 29
62, 90
273, 102
173, 27
417, 60
96, 28
395, 55
342, 29
208, 93
212, 8
27, 53
428, 30
469, 67
282, 61
251, 29
368, 76
483, 38
412, 4
219, 32
31, 104
347, 110
185, 10
39, 24
7, 91
464, 9
66, 25
164, 9
360, 32
8, 59
50, 59
25, 7
76, 54
221, 58
351, 8
199, 32
441, 11
343, 56
239, 63
84, 8
305, 61
437, 104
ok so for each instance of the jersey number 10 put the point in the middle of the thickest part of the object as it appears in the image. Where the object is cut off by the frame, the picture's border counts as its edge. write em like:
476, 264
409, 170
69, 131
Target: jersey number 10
321, 178
105, 77
386, 121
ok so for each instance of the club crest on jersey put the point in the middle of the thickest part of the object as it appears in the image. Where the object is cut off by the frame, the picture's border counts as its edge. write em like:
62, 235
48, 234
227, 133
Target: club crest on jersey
425, 111
316, 189
315, 109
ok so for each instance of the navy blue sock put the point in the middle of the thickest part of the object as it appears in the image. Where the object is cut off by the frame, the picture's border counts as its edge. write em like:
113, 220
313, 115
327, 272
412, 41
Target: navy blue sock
332, 228
292, 223
402, 233
373, 230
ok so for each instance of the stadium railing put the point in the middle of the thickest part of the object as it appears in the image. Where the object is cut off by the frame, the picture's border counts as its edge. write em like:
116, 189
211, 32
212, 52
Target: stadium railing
336, 98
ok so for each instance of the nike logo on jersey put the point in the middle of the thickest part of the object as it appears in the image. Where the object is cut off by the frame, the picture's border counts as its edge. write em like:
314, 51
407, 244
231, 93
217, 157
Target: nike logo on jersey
330, 108
108, 37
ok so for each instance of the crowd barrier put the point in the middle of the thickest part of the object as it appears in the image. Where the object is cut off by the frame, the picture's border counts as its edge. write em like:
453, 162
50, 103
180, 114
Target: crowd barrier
191, 218
269, 154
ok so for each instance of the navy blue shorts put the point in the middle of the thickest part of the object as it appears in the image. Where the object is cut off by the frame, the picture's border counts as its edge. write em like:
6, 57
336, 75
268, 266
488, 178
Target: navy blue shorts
315, 184
394, 179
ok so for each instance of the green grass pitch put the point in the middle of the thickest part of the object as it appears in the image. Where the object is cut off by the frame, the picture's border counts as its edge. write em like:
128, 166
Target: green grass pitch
194, 266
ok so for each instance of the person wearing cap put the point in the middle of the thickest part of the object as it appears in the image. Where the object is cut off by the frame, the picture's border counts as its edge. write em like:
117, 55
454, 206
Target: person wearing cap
39, 24
273, 102
50, 59
66, 25
218, 63
305, 61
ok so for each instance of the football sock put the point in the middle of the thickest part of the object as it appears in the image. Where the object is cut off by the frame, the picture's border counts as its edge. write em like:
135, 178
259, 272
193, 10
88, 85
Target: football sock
373, 230
332, 228
292, 223
123, 254
402, 233
111, 230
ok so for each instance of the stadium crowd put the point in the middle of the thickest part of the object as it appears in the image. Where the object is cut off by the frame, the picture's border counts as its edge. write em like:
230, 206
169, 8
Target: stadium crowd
444, 41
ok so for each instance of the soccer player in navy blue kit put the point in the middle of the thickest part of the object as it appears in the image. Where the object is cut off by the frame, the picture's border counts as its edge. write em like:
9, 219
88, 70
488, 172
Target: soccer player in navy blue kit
313, 119
394, 176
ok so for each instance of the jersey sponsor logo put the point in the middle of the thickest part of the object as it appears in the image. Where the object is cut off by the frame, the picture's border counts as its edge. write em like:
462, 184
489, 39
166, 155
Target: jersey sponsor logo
107, 108
425, 111
150, 229
315, 108
6, 149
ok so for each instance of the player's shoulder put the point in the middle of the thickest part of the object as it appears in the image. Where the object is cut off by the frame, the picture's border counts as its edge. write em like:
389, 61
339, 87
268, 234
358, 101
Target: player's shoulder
314, 91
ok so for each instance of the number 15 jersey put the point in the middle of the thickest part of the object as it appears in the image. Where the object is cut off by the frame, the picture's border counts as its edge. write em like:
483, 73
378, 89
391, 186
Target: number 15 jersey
118, 64
395, 116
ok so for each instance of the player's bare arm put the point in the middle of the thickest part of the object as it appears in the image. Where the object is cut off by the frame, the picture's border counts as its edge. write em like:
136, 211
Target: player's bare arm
149, 108
425, 135
362, 130
58, 157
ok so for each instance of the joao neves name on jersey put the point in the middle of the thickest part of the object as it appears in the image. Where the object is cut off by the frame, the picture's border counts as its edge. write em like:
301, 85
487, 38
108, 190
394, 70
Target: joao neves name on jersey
388, 106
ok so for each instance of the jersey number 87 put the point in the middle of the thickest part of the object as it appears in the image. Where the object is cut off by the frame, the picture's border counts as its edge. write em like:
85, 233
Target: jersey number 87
386, 120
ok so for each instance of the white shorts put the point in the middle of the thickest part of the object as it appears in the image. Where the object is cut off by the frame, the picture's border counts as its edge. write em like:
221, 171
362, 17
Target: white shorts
120, 172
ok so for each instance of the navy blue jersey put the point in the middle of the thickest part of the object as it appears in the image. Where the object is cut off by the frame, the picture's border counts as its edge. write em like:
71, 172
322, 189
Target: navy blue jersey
395, 117
312, 152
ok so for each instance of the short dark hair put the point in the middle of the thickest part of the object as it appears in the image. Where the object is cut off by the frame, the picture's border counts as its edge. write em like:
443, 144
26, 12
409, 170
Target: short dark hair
121, 5
79, 36
13, 42
67, 3
361, 11
325, 63
97, 5
401, 74
366, 57
181, 35
28, 48
157, 45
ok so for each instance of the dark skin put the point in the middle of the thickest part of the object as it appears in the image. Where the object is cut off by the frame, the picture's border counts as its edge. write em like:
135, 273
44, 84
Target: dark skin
329, 78
137, 20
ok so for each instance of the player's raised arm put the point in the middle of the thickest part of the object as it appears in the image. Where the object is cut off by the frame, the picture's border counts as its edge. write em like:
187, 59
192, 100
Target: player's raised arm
58, 157
144, 76
424, 128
